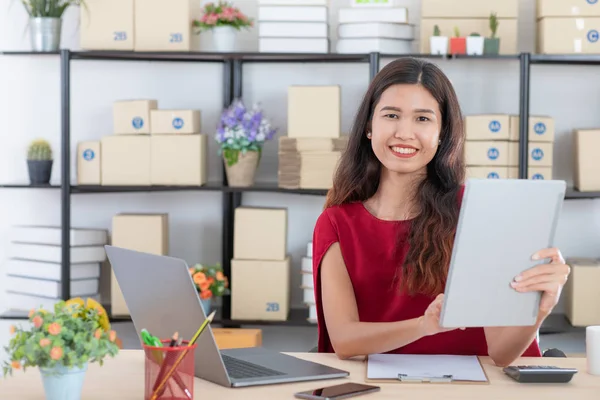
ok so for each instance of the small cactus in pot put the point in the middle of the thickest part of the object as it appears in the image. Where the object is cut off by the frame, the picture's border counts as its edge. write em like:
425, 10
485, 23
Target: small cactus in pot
39, 162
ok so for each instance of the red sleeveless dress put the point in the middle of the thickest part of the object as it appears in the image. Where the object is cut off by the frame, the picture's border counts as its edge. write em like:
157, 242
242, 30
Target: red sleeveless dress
370, 251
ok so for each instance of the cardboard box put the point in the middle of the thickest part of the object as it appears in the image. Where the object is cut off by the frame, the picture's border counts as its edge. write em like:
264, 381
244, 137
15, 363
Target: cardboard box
260, 289
148, 233
487, 127
178, 160
586, 143
174, 122
486, 153
307, 170
304, 145
568, 8
540, 154
166, 25
569, 35
541, 129
237, 338
469, 8
106, 25
487, 172
582, 297
88, 163
260, 233
314, 111
542, 173
132, 116
125, 160
507, 31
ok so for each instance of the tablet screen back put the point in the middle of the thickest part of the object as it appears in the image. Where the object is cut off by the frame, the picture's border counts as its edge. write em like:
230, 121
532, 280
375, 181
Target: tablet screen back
502, 223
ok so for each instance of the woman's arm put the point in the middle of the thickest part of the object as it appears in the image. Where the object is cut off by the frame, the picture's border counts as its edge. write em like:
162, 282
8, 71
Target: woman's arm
349, 336
506, 344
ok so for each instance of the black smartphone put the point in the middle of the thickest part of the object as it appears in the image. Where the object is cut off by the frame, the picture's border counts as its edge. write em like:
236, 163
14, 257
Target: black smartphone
336, 392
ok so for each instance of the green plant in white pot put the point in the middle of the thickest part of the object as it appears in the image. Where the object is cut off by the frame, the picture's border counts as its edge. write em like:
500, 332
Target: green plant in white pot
39, 162
475, 44
45, 22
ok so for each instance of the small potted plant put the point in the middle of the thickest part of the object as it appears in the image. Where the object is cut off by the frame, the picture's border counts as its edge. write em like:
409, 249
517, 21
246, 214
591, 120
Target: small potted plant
210, 282
39, 162
475, 44
438, 43
491, 45
224, 20
61, 344
45, 22
458, 44
241, 134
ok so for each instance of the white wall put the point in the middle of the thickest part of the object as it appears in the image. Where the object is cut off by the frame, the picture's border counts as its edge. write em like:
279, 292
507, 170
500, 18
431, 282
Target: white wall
30, 107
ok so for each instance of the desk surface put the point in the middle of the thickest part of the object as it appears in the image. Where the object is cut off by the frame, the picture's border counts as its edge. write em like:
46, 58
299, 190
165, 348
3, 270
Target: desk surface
122, 378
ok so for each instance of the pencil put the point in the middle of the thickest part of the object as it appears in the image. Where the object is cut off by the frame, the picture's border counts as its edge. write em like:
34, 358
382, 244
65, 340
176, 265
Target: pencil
178, 361
175, 341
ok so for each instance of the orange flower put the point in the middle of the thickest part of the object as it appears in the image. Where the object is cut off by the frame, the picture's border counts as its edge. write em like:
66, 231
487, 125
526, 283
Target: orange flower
54, 328
210, 280
199, 278
192, 270
226, 282
12, 329
98, 333
204, 286
220, 276
31, 312
15, 365
56, 353
207, 294
38, 321
44, 342
112, 336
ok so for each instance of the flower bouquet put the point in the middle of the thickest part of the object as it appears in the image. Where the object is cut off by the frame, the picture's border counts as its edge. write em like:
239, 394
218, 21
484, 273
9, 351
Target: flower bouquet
61, 344
224, 20
210, 283
241, 134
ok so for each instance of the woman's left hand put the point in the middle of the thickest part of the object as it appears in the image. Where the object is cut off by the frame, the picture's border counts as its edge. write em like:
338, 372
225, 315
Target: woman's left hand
547, 278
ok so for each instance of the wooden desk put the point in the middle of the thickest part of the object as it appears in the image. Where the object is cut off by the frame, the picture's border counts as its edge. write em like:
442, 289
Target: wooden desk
122, 378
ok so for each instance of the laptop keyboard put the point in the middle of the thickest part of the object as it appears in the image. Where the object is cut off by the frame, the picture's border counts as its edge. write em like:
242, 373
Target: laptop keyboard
239, 369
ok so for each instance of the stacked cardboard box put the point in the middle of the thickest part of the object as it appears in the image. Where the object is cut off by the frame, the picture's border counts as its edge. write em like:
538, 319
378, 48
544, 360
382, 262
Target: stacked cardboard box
310, 153
586, 145
374, 26
34, 267
260, 268
293, 26
492, 147
308, 284
568, 26
148, 233
582, 297
470, 16
149, 147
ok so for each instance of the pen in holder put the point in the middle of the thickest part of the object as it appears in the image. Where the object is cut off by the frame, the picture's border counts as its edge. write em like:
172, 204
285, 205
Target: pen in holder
176, 364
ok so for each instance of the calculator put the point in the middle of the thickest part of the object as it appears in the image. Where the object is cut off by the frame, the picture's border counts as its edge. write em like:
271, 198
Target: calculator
540, 373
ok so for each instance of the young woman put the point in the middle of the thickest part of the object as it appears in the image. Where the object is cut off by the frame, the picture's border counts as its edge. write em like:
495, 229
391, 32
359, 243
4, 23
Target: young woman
382, 246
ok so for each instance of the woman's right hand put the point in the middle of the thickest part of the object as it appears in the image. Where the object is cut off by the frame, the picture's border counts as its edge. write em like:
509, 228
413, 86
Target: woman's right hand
430, 321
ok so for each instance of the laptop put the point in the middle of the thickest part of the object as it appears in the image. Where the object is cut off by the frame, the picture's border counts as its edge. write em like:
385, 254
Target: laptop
161, 297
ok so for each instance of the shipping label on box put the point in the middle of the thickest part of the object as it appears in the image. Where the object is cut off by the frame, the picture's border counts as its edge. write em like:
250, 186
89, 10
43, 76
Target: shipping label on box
178, 159
469, 9
487, 172
541, 129
314, 111
166, 25
486, 153
487, 127
568, 8
88, 163
540, 154
260, 289
507, 31
174, 122
106, 25
132, 116
260, 233
569, 35
125, 160
586, 143
582, 297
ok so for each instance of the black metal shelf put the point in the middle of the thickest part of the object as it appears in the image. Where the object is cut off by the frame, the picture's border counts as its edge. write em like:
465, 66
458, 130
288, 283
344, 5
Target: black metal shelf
567, 59
149, 56
80, 189
28, 186
29, 53
273, 188
576, 194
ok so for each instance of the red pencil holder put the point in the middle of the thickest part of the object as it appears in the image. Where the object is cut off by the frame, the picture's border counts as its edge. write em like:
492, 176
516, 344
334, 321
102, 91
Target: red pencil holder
169, 372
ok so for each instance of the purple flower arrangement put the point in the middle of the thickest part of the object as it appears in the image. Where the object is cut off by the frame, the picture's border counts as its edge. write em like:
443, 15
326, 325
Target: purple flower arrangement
242, 130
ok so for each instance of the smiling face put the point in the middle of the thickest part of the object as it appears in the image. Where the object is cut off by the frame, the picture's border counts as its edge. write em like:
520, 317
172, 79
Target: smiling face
405, 128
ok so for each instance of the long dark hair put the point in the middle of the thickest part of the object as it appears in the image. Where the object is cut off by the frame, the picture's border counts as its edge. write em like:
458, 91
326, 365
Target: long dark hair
357, 177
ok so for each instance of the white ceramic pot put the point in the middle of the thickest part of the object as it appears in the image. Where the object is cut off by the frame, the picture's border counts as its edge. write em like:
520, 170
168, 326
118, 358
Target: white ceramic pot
224, 38
475, 45
439, 45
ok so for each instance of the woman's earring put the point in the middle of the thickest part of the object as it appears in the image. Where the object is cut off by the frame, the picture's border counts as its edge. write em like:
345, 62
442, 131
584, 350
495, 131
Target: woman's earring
439, 142
369, 135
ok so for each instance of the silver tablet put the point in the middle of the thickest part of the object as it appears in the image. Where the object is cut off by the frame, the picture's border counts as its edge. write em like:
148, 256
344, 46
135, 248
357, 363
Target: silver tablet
502, 223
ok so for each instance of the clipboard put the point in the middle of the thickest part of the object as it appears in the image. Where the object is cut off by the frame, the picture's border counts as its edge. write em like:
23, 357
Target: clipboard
409, 377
